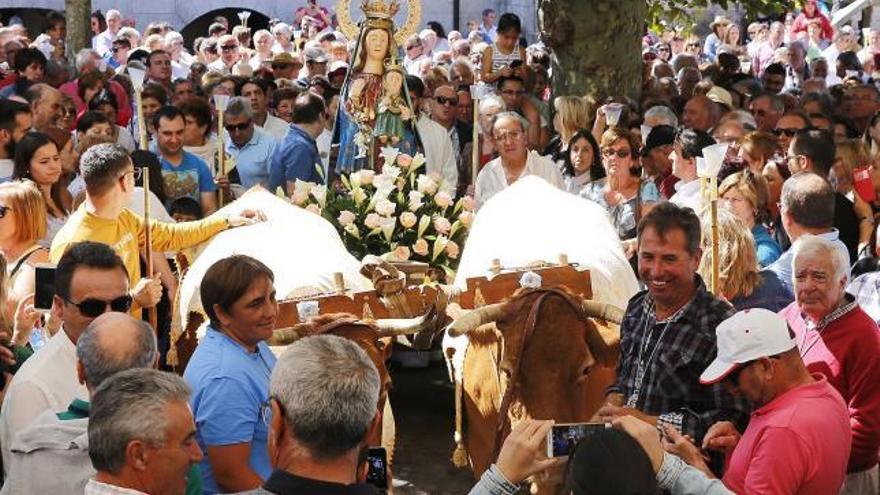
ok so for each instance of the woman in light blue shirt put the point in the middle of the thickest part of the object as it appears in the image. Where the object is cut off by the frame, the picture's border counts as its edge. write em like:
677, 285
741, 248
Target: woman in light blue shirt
746, 194
229, 374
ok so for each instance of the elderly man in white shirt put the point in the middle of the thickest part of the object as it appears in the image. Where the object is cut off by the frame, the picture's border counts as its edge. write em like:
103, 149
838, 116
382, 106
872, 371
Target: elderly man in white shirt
514, 161
688, 146
103, 42
436, 142
90, 280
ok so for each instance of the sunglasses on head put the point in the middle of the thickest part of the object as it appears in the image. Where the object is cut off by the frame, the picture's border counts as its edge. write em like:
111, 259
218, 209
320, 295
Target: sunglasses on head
93, 308
4, 210
446, 101
237, 127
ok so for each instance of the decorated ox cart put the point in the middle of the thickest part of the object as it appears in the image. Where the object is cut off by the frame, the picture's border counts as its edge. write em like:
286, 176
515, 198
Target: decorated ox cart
536, 330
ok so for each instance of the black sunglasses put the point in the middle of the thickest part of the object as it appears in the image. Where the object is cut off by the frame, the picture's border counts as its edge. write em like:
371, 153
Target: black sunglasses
237, 127
446, 101
229, 48
4, 210
93, 308
787, 132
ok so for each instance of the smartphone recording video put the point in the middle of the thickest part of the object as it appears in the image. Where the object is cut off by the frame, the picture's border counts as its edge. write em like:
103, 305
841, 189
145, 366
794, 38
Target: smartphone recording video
562, 438
377, 468
44, 290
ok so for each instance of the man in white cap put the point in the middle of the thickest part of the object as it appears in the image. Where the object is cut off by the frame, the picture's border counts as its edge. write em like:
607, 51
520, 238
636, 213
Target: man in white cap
798, 438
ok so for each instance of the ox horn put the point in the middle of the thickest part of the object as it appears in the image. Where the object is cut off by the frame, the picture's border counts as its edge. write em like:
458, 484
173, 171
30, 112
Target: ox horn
284, 336
407, 326
605, 311
476, 318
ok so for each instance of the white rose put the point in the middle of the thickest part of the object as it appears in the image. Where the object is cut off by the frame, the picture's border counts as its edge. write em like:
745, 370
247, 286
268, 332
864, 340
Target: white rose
299, 198
346, 218
367, 176
421, 247
466, 218
408, 219
372, 221
385, 207
452, 249
426, 185
443, 199
442, 225
314, 209
401, 253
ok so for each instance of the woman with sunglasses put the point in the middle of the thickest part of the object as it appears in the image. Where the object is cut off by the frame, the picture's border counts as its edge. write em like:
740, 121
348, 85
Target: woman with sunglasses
622, 193
37, 159
229, 374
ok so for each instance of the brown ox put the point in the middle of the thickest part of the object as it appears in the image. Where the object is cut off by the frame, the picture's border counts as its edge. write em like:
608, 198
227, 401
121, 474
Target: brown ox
544, 354
375, 338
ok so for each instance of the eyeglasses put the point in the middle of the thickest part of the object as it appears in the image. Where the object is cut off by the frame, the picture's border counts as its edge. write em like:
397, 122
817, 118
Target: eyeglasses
237, 127
135, 173
608, 153
442, 100
4, 210
93, 308
733, 376
789, 132
508, 135
693, 45
229, 48
662, 49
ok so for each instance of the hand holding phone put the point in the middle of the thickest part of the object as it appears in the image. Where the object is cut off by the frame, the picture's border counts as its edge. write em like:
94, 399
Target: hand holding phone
562, 438
44, 290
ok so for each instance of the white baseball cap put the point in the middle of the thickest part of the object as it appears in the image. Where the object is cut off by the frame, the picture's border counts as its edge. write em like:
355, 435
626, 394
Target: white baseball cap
748, 335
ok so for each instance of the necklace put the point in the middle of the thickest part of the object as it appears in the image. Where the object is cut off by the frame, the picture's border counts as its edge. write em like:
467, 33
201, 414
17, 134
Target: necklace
642, 365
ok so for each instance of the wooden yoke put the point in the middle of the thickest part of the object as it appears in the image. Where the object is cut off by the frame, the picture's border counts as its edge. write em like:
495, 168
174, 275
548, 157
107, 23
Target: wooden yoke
481, 291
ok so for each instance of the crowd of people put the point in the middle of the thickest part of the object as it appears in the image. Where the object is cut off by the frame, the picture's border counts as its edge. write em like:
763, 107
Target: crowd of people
767, 385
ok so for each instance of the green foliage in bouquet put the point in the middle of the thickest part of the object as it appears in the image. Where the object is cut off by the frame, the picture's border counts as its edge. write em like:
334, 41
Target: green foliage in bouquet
402, 213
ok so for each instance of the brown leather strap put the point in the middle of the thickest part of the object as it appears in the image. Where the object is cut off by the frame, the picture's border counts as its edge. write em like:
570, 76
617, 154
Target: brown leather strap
512, 383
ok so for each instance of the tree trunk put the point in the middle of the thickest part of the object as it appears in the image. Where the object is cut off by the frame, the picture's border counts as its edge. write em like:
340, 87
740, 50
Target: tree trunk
79, 35
596, 46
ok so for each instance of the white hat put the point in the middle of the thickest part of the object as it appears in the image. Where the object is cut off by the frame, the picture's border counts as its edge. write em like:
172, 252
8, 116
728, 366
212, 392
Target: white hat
748, 335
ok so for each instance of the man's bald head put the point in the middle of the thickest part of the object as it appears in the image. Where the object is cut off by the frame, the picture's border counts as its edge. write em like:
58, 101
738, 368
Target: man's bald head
114, 342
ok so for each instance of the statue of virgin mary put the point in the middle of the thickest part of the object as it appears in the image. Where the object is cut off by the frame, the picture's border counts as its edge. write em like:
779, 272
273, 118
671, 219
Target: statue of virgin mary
374, 108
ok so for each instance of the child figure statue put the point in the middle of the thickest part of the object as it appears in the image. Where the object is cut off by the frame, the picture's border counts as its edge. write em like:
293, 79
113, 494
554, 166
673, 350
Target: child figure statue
393, 107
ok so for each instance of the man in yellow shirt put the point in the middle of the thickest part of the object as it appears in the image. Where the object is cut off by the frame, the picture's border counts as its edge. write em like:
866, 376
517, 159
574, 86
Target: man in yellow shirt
110, 177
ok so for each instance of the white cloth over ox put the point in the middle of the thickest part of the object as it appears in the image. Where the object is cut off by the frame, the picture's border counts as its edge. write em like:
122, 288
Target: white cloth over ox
534, 221
302, 249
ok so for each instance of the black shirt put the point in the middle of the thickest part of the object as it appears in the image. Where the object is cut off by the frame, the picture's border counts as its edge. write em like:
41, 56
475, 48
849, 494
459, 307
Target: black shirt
284, 483
847, 223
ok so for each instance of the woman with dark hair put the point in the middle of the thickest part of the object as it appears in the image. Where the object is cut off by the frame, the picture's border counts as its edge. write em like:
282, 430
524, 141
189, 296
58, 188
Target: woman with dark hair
582, 164
871, 137
623, 193
97, 25
37, 159
442, 44
229, 374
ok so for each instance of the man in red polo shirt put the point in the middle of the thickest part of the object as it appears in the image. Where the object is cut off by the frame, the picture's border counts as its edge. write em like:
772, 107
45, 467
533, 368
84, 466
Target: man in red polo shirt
798, 438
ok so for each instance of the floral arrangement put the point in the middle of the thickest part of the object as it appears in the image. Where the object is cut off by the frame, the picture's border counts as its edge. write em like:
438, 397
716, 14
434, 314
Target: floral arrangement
402, 214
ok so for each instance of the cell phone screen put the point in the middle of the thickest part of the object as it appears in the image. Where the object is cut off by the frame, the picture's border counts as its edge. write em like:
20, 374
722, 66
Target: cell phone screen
377, 471
562, 438
45, 287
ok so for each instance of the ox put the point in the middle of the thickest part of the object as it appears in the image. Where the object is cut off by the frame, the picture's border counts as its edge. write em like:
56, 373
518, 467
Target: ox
374, 337
545, 353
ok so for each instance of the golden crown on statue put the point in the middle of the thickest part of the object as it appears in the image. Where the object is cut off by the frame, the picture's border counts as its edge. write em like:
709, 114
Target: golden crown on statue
378, 9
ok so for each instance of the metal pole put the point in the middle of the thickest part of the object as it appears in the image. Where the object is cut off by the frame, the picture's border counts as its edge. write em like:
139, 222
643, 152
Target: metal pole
713, 192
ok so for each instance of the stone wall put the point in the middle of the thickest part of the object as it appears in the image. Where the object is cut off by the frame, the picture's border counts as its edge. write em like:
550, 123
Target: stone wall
179, 13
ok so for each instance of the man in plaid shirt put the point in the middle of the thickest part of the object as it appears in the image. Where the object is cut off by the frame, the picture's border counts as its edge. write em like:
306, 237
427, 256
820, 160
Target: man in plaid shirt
667, 337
